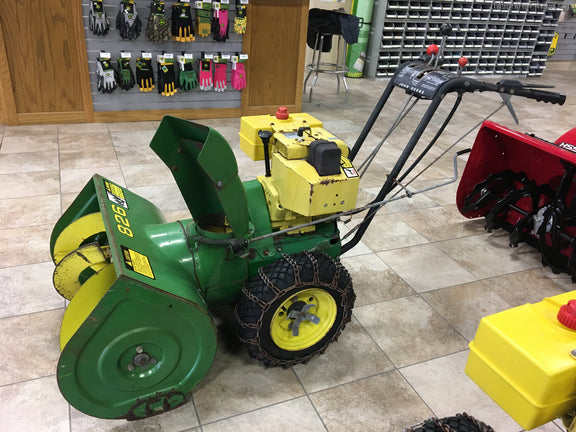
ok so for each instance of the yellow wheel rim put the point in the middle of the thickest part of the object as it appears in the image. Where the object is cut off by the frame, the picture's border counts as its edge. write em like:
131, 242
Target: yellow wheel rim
293, 334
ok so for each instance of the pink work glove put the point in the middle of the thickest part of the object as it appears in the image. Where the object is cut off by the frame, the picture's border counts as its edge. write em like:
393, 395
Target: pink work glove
220, 77
238, 79
205, 75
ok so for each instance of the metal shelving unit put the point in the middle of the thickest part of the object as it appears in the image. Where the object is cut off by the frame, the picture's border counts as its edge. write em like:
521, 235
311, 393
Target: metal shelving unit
498, 38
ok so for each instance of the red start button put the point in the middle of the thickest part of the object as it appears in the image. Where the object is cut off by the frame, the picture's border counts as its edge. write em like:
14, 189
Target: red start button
567, 314
282, 113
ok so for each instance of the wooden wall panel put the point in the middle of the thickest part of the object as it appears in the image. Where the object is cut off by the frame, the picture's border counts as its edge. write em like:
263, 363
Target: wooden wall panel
276, 45
44, 56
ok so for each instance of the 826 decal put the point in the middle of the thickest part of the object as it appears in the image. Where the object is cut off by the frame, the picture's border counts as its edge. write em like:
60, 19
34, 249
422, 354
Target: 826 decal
122, 222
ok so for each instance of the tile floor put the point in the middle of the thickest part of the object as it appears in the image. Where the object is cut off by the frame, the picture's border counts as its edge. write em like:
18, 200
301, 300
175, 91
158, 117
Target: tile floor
424, 276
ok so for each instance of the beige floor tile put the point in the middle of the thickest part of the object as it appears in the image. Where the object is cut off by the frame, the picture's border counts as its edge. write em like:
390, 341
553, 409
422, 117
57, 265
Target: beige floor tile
74, 180
447, 390
297, 414
528, 286
408, 330
442, 223
29, 144
35, 130
425, 267
31, 346
180, 419
84, 143
28, 184
27, 245
34, 405
388, 231
132, 126
166, 197
236, 384
360, 248
381, 403
22, 212
373, 280
489, 255
27, 289
82, 128
464, 306
88, 159
12, 163
147, 174
354, 356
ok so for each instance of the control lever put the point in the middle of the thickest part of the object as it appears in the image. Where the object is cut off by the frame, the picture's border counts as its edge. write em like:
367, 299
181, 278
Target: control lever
265, 137
445, 29
432, 51
462, 62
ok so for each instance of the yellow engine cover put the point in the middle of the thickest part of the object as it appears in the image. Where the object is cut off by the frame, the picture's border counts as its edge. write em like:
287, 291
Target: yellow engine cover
250, 142
303, 191
522, 359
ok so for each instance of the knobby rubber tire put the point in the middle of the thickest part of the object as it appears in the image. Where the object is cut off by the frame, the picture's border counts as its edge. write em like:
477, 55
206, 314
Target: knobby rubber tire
274, 284
458, 423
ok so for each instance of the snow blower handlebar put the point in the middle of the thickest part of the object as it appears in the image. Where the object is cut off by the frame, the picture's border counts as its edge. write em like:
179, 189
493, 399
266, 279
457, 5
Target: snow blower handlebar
425, 82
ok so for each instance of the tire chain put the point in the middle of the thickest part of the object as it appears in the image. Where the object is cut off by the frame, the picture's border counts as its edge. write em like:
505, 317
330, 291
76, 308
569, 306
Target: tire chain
262, 356
465, 423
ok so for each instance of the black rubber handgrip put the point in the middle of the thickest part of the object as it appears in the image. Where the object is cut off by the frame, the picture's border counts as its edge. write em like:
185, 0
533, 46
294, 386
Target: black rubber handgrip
539, 95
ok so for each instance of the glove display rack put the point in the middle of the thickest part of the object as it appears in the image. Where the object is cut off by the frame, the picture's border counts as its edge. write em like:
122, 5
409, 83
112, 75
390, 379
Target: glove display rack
498, 38
112, 42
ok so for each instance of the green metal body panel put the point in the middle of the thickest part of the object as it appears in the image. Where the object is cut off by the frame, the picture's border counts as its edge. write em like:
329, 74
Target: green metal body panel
93, 372
164, 277
205, 169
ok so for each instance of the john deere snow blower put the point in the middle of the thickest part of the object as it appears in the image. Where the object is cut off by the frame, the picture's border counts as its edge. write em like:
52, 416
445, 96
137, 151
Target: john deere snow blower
138, 336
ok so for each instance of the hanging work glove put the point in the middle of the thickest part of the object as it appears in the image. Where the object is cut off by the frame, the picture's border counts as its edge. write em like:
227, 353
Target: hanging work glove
127, 21
158, 29
187, 79
126, 76
106, 81
203, 22
206, 75
238, 78
220, 77
182, 22
240, 19
98, 22
144, 74
166, 77
220, 25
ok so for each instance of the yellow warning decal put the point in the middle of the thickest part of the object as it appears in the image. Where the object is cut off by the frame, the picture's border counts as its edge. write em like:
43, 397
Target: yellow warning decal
137, 262
348, 168
115, 194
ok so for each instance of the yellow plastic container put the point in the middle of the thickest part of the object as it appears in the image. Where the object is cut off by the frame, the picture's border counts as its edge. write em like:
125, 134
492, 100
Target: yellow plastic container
522, 358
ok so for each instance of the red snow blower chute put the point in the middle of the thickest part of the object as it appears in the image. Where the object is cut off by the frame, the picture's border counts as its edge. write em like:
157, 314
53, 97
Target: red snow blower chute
525, 185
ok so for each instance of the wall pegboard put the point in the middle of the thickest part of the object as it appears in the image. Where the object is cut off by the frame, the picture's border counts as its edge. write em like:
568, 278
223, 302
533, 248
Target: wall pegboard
134, 99
498, 37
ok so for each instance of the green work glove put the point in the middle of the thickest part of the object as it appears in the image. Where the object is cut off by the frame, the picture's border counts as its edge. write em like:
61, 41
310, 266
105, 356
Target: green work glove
158, 29
188, 79
126, 76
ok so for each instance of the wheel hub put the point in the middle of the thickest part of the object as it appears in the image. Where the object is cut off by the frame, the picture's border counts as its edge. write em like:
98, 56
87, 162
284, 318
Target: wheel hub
299, 312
